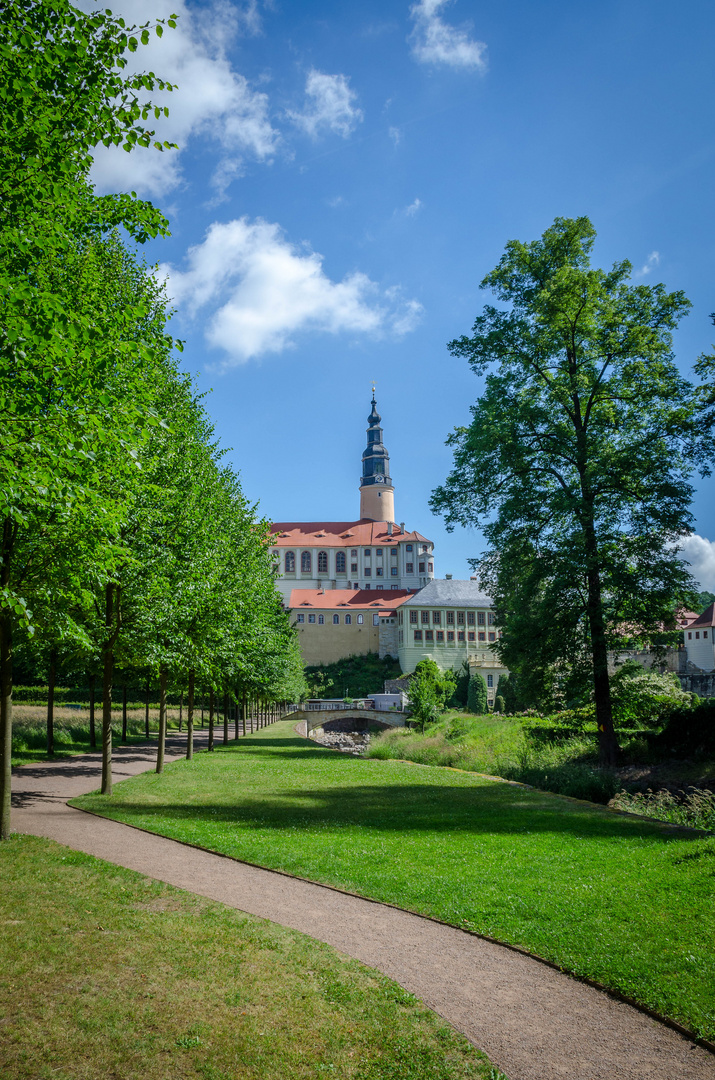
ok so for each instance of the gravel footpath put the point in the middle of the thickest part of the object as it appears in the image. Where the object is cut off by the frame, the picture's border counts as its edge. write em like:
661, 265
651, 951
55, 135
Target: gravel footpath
535, 1023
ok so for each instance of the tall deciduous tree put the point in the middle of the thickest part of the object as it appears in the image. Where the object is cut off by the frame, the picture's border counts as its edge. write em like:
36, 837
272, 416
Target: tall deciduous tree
63, 90
577, 461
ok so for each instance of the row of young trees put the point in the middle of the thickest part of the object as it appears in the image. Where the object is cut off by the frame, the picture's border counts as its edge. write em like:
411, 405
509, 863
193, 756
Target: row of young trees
577, 462
125, 537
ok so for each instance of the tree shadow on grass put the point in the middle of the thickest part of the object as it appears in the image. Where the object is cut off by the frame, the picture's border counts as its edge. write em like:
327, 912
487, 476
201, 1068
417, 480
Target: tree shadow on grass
479, 810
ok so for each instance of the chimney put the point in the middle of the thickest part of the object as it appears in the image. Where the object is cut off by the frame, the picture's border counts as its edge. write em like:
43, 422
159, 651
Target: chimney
389, 528
402, 526
473, 577
447, 577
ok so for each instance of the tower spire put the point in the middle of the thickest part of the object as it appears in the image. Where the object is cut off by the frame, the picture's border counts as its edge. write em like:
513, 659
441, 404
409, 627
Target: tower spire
377, 495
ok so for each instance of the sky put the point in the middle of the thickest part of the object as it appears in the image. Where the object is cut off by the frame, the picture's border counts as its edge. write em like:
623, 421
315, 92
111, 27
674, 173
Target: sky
347, 173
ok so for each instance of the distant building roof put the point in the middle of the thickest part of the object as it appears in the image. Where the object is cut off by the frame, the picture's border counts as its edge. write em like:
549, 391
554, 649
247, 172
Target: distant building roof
381, 601
685, 618
447, 592
363, 533
706, 619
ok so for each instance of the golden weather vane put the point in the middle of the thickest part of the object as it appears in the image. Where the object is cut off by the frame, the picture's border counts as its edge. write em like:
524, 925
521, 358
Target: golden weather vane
373, 388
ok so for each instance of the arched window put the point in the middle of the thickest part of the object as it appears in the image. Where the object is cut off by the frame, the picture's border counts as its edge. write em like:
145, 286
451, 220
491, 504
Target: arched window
348, 619
305, 562
290, 562
321, 619
322, 562
340, 562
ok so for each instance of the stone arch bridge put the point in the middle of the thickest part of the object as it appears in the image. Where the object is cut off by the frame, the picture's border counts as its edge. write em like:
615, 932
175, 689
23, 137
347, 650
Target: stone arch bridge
345, 719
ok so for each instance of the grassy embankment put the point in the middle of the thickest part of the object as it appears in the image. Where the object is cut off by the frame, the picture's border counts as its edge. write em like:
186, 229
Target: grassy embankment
105, 973
622, 900
532, 750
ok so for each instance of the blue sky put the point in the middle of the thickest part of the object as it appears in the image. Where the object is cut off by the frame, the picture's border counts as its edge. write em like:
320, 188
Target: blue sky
348, 173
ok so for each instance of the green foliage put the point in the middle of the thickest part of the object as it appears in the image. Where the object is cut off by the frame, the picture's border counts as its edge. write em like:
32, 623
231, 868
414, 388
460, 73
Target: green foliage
509, 691
576, 465
461, 688
355, 676
430, 690
499, 705
477, 694
689, 731
645, 699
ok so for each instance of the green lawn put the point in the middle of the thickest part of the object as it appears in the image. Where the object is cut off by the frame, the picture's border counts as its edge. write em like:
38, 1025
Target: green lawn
622, 900
107, 974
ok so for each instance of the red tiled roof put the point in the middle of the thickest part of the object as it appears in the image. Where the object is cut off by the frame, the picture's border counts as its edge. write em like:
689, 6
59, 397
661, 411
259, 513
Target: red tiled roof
706, 619
342, 534
334, 599
685, 618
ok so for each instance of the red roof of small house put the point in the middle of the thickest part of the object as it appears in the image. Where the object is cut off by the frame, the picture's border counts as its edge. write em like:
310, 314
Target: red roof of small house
685, 618
341, 534
706, 619
383, 602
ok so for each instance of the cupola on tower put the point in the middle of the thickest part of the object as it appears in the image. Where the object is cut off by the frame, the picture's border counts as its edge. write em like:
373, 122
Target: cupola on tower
377, 495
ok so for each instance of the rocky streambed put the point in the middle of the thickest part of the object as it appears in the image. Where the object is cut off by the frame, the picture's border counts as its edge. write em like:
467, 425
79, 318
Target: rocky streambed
348, 742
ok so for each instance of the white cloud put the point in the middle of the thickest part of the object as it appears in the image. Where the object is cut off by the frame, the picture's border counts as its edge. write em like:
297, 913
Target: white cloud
412, 209
330, 104
261, 291
700, 553
651, 262
395, 134
212, 98
435, 42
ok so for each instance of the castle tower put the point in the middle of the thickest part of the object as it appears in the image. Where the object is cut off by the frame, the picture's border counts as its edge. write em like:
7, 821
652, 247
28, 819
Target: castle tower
377, 495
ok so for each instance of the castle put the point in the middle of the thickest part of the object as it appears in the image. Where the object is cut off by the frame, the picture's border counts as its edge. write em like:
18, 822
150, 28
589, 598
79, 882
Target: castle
346, 583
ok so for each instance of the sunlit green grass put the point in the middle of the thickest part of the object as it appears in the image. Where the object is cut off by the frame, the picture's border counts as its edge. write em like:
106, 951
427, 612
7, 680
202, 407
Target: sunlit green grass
107, 974
627, 902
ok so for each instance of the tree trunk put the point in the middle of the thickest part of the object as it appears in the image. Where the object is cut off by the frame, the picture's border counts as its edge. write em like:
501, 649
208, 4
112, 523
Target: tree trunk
5, 721
181, 709
225, 717
607, 744
92, 727
146, 710
51, 676
108, 664
190, 718
243, 712
124, 712
112, 626
211, 718
162, 720
202, 708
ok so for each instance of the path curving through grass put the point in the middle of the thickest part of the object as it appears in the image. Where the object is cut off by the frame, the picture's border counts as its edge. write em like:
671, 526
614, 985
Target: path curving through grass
623, 901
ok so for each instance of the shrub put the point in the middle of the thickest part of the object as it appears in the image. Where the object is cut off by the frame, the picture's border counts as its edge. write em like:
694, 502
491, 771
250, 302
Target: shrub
499, 705
643, 699
461, 688
477, 696
689, 731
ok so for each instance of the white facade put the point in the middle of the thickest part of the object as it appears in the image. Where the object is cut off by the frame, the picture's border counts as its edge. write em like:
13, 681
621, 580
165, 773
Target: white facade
700, 641
450, 622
